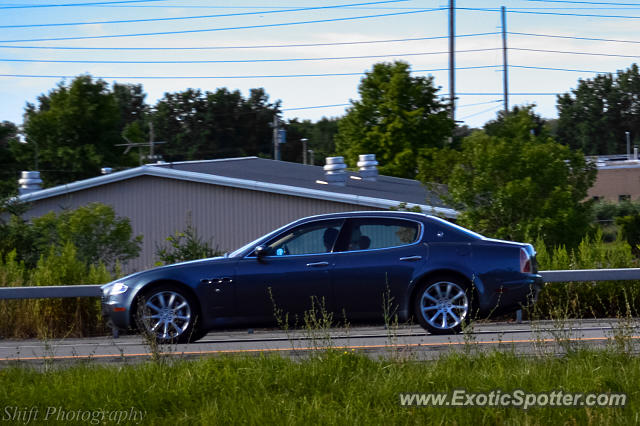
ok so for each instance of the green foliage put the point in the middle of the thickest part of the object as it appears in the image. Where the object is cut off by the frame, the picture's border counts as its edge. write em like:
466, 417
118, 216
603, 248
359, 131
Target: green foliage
185, 245
397, 116
72, 132
595, 116
99, 235
334, 389
197, 125
47, 318
94, 229
602, 299
630, 230
509, 182
320, 137
9, 167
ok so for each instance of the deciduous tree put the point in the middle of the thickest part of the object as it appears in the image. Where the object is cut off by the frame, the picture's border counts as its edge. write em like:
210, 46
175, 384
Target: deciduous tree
510, 182
595, 116
396, 116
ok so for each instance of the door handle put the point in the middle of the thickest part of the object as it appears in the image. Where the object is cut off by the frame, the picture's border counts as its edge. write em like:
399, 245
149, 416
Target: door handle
315, 264
411, 258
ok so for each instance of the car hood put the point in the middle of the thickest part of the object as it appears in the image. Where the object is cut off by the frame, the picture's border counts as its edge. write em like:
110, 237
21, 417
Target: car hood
220, 260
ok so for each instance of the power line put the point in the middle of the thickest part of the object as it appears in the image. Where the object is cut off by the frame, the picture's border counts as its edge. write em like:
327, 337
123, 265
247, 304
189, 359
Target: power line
229, 61
556, 69
583, 2
264, 12
314, 107
576, 38
348, 104
183, 77
31, 6
481, 112
510, 94
243, 27
575, 53
480, 103
245, 47
585, 15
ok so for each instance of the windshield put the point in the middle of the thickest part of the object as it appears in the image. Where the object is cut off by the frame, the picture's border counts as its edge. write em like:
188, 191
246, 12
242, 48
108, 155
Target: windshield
238, 252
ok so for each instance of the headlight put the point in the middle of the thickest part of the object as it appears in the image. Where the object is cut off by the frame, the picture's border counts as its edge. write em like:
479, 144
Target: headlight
117, 288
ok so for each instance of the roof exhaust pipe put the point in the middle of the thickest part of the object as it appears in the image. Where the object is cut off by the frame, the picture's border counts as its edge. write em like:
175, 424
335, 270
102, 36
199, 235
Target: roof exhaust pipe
29, 182
334, 171
368, 167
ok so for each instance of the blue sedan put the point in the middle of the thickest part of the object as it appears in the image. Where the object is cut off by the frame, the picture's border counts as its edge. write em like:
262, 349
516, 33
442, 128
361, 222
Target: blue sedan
358, 264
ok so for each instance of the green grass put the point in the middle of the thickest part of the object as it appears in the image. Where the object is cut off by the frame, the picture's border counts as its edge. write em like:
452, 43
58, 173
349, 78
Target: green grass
332, 388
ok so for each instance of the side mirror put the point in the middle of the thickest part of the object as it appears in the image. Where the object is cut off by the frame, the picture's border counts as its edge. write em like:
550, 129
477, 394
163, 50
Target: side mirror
260, 251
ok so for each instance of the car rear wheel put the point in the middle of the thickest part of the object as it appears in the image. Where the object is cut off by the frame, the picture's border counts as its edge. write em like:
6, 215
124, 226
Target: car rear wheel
442, 305
168, 315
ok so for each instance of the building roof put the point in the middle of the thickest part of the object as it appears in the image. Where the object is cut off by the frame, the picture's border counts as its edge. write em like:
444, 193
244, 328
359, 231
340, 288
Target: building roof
280, 177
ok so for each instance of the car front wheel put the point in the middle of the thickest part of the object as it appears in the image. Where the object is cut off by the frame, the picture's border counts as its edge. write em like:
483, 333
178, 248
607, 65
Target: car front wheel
168, 315
442, 305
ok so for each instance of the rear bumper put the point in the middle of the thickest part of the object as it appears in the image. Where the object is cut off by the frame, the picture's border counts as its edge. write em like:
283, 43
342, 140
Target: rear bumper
513, 295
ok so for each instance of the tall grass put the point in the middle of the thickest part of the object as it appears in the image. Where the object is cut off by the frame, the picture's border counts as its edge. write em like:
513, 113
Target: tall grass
588, 298
336, 388
46, 318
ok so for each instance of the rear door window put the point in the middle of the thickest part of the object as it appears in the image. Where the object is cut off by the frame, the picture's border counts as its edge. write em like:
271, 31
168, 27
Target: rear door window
377, 232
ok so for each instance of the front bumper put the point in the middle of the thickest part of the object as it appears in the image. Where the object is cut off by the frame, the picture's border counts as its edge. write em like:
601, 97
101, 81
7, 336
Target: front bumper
115, 312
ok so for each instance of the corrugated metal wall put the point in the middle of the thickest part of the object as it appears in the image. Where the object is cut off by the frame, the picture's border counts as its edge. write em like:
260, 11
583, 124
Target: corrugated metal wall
159, 207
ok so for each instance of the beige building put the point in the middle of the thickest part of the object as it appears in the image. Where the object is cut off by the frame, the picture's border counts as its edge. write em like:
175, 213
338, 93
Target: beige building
618, 179
231, 201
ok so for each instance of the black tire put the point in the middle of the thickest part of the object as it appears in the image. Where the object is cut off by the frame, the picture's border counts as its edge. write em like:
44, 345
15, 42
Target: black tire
168, 314
442, 304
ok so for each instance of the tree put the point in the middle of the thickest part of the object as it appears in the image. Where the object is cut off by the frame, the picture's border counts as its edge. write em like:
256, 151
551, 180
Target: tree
509, 182
8, 164
197, 125
595, 116
94, 230
320, 139
397, 116
185, 245
72, 132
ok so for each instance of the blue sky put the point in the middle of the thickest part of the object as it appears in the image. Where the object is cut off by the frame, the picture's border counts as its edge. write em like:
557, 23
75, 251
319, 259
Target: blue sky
321, 51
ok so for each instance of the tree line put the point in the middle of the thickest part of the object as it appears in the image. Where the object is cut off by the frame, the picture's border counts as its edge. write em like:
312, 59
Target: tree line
519, 176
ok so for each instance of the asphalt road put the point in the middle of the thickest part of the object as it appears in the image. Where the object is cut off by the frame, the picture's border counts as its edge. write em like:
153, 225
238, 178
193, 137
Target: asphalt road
406, 341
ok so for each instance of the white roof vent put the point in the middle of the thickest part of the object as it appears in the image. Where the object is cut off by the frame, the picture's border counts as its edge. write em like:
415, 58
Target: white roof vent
29, 182
368, 167
334, 171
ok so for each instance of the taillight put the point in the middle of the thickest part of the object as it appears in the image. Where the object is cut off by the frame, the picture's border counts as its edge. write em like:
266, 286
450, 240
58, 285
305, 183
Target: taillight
525, 261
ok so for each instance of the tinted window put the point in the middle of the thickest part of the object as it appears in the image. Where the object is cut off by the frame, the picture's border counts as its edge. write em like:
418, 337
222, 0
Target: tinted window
315, 237
374, 233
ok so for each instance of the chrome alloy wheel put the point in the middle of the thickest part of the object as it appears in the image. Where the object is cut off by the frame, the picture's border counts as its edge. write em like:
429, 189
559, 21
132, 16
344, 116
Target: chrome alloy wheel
444, 305
166, 314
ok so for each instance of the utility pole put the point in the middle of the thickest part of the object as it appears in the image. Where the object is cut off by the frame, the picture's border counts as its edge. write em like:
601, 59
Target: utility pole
452, 59
628, 135
304, 150
505, 64
276, 141
152, 136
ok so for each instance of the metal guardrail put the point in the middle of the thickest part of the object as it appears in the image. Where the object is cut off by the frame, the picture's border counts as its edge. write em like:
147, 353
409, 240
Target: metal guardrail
63, 291
46, 292
591, 275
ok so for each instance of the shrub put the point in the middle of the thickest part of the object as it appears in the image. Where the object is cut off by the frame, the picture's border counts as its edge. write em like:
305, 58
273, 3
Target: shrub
588, 299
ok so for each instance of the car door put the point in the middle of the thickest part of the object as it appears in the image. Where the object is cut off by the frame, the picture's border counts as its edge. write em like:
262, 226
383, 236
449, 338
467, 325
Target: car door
375, 260
293, 271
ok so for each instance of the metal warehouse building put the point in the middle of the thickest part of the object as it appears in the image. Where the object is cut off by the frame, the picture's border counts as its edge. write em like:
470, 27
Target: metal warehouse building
232, 201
